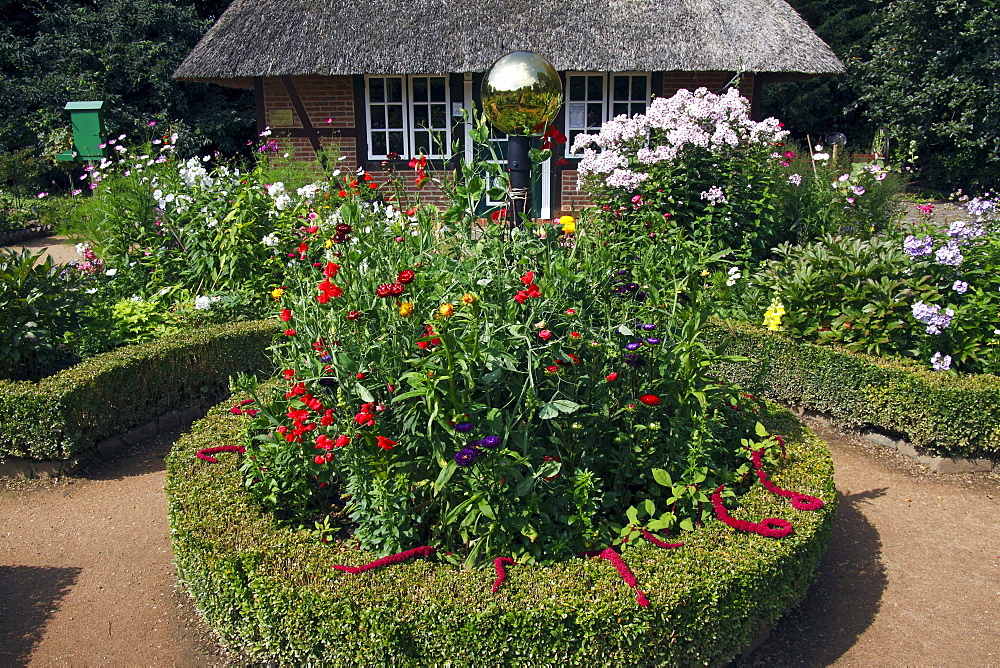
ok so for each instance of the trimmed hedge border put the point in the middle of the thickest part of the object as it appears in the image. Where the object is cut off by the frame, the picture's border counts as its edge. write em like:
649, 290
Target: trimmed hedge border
66, 414
32, 231
271, 594
947, 414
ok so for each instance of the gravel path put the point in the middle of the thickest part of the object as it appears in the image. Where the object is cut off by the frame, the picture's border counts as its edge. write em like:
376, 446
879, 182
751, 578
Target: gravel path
910, 577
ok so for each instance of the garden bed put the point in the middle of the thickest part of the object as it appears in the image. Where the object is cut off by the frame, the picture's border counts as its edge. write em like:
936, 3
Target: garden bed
272, 594
899, 401
64, 415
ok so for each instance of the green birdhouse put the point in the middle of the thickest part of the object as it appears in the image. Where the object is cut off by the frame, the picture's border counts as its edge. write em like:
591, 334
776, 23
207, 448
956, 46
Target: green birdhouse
88, 128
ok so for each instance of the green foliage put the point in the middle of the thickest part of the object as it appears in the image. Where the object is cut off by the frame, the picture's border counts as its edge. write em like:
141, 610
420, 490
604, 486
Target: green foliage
949, 414
122, 52
39, 303
932, 80
64, 414
272, 595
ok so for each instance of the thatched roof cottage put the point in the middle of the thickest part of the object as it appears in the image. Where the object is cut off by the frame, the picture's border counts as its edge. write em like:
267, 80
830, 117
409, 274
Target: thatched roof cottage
381, 77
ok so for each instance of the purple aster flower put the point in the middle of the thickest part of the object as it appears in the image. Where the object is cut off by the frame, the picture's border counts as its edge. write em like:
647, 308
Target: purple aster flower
648, 326
463, 427
325, 358
652, 341
631, 287
488, 442
466, 456
640, 296
634, 345
634, 360
622, 272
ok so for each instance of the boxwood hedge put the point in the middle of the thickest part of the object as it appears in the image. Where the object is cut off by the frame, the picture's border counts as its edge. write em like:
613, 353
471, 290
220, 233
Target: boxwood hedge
67, 413
948, 413
272, 595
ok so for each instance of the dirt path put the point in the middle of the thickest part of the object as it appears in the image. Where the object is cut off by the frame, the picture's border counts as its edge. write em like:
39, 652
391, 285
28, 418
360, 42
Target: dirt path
86, 577
60, 249
910, 577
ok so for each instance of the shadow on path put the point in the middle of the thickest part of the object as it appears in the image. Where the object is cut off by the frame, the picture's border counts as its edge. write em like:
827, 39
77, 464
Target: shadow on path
29, 596
842, 604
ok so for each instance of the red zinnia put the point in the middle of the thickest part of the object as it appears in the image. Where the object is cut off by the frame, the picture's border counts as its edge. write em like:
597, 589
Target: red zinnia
405, 276
650, 399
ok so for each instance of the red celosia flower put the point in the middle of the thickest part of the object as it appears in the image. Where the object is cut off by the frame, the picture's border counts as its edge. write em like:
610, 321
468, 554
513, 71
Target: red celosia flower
405, 276
650, 399
372, 186
285, 315
772, 527
385, 443
612, 377
799, 501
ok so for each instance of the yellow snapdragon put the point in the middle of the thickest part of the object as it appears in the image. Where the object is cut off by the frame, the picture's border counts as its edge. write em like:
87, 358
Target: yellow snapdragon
772, 316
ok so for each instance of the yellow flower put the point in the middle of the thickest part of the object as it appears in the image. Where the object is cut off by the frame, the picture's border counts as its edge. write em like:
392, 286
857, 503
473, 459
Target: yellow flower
568, 224
468, 298
329, 243
277, 292
705, 272
405, 309
772, 316
446, 310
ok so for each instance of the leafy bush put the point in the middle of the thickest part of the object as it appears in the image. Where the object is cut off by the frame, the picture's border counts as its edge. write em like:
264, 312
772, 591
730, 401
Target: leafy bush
272, 594
932, 297
39, 303
64, 414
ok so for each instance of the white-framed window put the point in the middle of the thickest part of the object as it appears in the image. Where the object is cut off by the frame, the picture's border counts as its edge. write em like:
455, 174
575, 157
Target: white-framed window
595, 97
407, 115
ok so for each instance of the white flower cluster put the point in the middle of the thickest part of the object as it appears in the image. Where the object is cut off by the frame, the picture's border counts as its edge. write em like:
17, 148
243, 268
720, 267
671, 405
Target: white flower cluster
203, 303
281, 198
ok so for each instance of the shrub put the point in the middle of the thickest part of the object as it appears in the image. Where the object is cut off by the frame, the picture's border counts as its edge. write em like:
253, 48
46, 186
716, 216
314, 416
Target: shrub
64, 414
273, 595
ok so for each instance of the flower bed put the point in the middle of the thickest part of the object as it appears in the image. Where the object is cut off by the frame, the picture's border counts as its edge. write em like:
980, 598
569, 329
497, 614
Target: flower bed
954, 415
274, 594
64, 414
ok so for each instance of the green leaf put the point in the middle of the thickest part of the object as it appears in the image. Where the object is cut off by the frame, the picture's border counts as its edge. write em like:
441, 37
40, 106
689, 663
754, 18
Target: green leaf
363, 392
662, 477
446, 473
548, 469
761, 430
632, 514
525, 486
649, 507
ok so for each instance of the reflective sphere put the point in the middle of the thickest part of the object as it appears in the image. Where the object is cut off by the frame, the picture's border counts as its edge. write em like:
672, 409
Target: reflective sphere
522, 93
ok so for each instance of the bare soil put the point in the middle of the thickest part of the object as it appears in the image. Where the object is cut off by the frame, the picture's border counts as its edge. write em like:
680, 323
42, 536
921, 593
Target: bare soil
59, 248
910, 577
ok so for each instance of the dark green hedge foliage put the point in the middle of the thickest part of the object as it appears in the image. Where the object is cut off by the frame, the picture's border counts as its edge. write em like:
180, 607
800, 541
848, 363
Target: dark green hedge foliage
271, 594
64, 414
954, 415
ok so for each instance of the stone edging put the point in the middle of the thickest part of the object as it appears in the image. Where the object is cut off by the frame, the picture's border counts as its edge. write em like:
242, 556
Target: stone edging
112, 446
11, 237
935, 463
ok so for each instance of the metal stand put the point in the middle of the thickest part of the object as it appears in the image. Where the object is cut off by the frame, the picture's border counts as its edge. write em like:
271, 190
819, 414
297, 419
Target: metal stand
519, 167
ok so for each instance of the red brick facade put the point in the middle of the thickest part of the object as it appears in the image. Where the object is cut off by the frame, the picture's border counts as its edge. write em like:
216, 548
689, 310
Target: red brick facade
337, 122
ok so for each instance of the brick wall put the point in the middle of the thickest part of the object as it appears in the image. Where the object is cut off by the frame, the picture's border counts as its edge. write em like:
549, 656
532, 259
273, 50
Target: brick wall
323, 98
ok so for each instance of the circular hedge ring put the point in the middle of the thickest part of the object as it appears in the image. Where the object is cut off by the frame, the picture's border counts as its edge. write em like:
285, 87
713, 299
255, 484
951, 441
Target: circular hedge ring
273, 594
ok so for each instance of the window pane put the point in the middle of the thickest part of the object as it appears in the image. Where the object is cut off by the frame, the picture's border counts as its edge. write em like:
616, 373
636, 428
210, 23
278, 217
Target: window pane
438, 90
619, 108
439, 117
572, 136
421, 118
395, 115
377, 112
639, 88
396, 143
378, 143
621, 88
376, 90
595, 114
595, 87
419, 89
421, 142
394, 89
577, 88
638, 108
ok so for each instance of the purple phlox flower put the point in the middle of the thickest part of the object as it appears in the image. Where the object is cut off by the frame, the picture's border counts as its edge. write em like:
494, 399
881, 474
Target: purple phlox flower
941, 363
960, 287
980, 207
963, 231
936, 318
463, 427
949, 254
918, 247
466, 456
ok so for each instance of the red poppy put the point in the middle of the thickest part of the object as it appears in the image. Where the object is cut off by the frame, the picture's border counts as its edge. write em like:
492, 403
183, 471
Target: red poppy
385, 443
650, 399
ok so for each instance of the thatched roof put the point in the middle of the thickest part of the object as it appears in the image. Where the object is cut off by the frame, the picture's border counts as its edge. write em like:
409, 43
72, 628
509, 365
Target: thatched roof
331, 37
